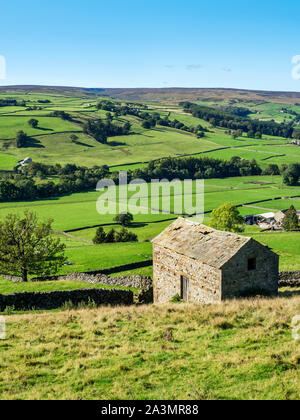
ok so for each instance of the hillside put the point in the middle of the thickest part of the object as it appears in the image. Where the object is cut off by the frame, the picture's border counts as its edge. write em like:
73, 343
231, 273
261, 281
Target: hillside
237, 350
51, 143
173, 95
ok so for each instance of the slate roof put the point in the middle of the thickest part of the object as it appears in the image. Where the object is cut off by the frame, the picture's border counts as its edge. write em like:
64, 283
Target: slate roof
200, 242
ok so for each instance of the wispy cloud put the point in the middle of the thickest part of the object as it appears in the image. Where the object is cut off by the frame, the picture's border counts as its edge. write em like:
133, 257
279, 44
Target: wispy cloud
194, 66
228, 69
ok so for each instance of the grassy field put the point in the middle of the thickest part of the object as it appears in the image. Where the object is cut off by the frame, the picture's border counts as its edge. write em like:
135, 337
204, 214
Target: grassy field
51, 144
237, 350
78, 212
51, 140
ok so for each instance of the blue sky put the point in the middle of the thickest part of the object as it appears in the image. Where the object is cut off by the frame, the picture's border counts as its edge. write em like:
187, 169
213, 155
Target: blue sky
195, 43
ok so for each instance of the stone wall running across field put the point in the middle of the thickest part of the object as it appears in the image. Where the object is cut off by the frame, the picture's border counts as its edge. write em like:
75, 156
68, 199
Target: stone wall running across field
289, 279
137, 282
56, 299
105, 272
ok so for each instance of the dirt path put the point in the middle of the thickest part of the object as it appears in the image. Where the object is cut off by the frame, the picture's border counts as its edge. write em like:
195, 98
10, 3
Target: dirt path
72, 236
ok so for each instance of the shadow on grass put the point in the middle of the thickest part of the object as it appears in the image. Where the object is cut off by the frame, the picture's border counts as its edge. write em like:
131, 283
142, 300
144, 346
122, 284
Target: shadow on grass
79, 143
289, 293
34, 143
116, 143
44, 129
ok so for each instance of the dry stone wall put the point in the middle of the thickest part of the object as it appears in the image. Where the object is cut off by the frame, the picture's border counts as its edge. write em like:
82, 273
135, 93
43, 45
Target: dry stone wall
289, 279
53, 300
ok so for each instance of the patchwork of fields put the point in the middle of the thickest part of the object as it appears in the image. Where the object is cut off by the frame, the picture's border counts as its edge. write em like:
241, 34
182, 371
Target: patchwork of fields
77, 213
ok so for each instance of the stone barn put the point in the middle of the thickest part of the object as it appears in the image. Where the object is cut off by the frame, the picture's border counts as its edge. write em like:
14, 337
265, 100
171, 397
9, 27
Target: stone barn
202, 264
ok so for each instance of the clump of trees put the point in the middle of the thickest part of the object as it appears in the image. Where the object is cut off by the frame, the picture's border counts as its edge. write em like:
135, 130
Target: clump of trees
197, 168
253, 128
101, 130
149, 119
236, 110
27, 247
61, 114
22, 139
11, 102
71, 178
227, 218
291, 174
113, 236
291, 220
272, 169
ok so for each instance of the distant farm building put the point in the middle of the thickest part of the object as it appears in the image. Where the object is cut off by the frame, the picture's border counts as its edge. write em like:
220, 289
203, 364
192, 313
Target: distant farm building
201, 264
268, 220
24, 162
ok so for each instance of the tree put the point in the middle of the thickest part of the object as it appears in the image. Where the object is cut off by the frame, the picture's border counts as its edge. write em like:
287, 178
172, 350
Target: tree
227, 218
73, 138
272, 169
146, 124
127, 127
21, 139
292, 174
33, 123
110, 237
28, 247
290, 221
100, 236
124, 219
125, 236
109, 117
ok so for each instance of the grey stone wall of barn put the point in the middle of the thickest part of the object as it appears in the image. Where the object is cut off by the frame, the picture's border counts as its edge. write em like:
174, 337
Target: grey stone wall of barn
168, 268
238, 279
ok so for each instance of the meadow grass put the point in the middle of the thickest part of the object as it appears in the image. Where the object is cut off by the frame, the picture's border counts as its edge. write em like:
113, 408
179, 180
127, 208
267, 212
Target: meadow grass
241, 349
9, 125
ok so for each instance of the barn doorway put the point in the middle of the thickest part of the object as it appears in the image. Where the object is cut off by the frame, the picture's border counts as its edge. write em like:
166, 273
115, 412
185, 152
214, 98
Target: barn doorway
184, 286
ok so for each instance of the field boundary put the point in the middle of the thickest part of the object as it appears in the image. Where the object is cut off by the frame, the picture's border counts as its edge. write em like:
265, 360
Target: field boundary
57, 299
104, 271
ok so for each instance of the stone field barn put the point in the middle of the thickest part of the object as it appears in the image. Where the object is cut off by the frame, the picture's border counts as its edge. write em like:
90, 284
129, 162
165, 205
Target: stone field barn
201, 264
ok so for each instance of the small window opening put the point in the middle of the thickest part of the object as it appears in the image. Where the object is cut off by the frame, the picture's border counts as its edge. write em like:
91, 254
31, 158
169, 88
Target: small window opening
251, 264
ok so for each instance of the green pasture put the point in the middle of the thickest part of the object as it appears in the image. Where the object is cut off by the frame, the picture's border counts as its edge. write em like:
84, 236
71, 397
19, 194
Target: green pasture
285, 244
10, 125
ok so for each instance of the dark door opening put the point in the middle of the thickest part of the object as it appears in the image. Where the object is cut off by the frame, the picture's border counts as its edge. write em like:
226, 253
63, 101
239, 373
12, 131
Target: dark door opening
184, 288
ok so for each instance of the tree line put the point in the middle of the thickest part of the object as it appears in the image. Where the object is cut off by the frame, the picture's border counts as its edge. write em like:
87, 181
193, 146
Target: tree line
11, 102
32, 182
149, 119
219, 118
100, 130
